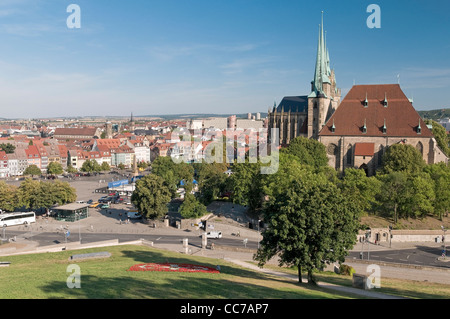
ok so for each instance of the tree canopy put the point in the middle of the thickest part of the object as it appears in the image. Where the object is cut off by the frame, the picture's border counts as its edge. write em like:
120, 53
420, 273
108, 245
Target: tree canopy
55, 168
310, 222
32, 170
151, 196
308, 151
404, 158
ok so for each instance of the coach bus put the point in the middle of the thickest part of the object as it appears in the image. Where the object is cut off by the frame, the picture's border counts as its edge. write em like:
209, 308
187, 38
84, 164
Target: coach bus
13, 219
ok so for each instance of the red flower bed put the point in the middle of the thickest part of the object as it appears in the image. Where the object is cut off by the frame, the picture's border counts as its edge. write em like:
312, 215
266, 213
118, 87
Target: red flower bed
173, 267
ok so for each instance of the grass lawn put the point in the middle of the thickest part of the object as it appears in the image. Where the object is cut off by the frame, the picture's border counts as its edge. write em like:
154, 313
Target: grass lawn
391, 286
44, 276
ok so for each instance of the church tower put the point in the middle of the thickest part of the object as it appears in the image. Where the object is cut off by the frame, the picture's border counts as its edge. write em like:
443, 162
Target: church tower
325, 97
132, 124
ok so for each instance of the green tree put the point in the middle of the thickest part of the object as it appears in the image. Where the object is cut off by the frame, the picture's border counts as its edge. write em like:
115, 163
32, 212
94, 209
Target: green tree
360, 189
247, 184
71, 169
191, 207
441, 136
402, 158
422, 197
151, 196
308, 151
211, 180
90, 166
105, 167
310, 223
394, 193
8, 197
173, 173
28, 194
7, 148
32, 170
55, 168
440, 174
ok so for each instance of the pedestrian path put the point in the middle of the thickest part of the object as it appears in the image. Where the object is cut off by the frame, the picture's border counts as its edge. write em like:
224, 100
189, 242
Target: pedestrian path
351, 290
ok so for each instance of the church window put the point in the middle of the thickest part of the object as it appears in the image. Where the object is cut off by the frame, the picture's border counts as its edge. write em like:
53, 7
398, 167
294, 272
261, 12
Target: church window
349, 155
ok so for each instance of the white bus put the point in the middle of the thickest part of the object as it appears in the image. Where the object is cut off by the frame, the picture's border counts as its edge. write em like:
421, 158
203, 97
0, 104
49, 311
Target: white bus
13, 219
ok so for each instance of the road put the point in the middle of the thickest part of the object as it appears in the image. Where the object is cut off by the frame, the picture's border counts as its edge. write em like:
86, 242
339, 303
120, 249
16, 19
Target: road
420, 256
51, 238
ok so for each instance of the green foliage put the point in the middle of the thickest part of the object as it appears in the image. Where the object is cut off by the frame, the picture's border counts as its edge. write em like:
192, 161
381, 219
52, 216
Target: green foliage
441, 136
310, 222
32, 170
191, 207
151, 196
247, 184
394, 193
8, 197
402, 158
105, 167
308, 152
7, 148
360, 189
346, 270
211, 179
71, 169
440, 174
34, 194
55, 168
174, 173
90, 166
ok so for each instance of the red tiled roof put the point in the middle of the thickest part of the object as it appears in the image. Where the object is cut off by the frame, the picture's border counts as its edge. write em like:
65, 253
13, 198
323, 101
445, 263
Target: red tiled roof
400, 116
364, 149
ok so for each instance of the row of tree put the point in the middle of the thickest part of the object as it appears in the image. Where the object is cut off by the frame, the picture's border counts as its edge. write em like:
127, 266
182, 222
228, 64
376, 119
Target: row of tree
33, 195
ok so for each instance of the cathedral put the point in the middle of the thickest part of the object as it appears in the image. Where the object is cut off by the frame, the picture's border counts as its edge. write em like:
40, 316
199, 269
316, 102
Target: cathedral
357, 131
306, 115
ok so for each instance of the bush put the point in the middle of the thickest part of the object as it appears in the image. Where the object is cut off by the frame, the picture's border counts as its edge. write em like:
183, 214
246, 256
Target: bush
346, 270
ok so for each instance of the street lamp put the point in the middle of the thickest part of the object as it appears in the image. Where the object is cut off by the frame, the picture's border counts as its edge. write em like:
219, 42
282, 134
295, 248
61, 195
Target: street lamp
79, 226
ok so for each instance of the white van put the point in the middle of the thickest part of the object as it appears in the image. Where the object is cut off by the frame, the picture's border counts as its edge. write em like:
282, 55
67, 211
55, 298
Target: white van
214, 234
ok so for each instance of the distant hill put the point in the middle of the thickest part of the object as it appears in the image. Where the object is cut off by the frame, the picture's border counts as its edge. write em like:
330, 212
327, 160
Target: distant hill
435, 114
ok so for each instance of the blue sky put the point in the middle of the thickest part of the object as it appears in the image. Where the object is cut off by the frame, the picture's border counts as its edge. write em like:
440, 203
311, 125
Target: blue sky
197, 56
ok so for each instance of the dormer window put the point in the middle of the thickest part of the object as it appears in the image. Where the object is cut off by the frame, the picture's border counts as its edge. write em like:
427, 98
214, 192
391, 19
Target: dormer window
385, 102
366, 102
419, 129
364, 128
333, 127
384, 129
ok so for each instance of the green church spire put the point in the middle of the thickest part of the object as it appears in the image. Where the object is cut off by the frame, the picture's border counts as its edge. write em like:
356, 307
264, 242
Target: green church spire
322, 70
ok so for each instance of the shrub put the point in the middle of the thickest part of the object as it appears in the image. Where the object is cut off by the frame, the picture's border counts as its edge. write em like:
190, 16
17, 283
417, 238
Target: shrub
346, 270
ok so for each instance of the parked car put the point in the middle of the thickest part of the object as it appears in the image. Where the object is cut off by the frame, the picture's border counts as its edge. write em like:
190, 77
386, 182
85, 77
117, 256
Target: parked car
104, 206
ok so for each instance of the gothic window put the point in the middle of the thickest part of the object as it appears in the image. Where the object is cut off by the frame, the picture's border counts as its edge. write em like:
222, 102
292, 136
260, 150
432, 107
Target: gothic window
380, 155
419, 147
349, 155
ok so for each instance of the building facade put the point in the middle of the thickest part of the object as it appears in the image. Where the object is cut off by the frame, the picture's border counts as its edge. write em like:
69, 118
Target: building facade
368, 121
